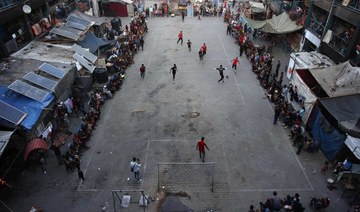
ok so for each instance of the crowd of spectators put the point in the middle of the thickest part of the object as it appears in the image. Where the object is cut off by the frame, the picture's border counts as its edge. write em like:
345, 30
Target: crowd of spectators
127, 43
272, 80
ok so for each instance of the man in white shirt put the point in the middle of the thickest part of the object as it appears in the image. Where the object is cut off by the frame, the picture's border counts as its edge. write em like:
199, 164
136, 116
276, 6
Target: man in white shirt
135, 167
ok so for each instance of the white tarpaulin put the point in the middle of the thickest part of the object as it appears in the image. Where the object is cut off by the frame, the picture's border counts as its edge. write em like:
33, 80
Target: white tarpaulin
280, 24
304, 91
338, 80
257, 7
257, 4
307, 60
354, 145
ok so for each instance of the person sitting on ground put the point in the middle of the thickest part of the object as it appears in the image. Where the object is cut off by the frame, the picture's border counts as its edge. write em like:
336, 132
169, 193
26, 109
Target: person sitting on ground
343, 166
301, 112
325, 167
289, 119
251, 208
295, 131
288, 203
265, 206
297, 206
313, 146
276, 202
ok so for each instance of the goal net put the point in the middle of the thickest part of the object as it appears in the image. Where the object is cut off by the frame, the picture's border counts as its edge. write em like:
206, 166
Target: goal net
177, 177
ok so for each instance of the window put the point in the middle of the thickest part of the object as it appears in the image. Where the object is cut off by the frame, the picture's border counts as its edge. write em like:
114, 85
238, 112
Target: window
7, 3
343, 35
317, 21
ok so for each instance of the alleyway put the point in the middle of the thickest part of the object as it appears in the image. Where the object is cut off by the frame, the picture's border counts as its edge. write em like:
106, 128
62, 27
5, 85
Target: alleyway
160, 121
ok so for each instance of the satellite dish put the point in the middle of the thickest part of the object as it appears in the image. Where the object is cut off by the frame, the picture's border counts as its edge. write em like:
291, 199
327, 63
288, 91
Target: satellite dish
26, 9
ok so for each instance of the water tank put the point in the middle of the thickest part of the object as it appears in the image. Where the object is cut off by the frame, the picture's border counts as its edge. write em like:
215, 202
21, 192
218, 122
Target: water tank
100, 75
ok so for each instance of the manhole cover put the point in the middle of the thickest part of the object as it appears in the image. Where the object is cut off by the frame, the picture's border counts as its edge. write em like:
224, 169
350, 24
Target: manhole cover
194, 114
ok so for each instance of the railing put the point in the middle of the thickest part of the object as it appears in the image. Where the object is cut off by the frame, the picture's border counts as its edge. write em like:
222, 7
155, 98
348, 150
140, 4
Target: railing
316, 27
353, 4
5, 4
340, 43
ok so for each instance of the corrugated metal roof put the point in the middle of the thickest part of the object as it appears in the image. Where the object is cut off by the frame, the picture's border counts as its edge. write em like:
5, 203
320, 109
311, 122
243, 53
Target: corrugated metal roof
64, 33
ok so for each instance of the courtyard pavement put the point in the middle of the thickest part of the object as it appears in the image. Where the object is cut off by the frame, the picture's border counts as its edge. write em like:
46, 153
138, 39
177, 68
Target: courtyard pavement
160, 121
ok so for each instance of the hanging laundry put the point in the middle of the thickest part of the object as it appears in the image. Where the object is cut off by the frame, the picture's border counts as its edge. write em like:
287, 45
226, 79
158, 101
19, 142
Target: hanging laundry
68, 106
71, 104
47, 131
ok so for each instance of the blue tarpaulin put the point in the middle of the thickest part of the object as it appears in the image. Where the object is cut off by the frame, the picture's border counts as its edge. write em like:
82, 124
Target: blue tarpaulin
25, 104
331, 140
92, 42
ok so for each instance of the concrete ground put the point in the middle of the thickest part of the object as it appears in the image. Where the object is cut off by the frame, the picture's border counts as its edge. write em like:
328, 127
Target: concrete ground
160, 121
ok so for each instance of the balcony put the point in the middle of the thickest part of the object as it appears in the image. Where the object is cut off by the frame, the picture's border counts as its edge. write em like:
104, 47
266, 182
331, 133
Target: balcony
340, 43
316, 27
352, 4
5, 4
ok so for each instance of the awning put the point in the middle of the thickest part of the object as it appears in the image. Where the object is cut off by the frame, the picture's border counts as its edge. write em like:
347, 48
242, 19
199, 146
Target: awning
92, 42
354, 145
35, 144
339, 80
345, 110
280, 24
257, 7
4, 140
96, 20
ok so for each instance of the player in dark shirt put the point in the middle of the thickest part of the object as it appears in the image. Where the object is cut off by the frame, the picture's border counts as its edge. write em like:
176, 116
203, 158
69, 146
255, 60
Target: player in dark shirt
221, 72
173, 70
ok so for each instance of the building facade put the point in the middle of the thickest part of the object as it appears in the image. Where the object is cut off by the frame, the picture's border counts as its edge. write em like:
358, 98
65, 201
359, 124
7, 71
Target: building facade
333, 28
18, 26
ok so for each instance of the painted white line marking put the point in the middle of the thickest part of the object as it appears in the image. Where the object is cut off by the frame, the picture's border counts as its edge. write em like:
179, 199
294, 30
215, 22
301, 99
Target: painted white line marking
276, 189
147, 67
226, 166
168, 140
234, 76
141, 91
95, 144
292, 149
146, 159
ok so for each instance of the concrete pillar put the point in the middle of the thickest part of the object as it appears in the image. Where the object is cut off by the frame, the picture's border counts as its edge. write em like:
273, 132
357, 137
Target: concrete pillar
95, 7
